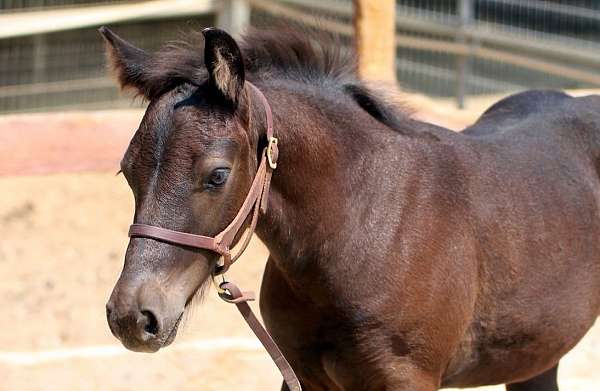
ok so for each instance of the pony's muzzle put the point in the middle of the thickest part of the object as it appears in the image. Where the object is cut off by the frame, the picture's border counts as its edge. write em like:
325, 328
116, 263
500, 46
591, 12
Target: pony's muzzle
138, 320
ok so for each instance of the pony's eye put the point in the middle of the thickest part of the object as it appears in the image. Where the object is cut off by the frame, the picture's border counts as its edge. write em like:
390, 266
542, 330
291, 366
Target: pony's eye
218, 177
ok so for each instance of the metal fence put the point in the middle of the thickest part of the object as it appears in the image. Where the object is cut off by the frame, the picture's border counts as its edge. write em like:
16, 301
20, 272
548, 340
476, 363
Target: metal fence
66, 70
468, 47
496, 46
62, 67
444, 47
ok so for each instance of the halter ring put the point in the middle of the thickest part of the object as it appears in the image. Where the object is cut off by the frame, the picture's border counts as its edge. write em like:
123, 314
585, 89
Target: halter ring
272, 159
218, 284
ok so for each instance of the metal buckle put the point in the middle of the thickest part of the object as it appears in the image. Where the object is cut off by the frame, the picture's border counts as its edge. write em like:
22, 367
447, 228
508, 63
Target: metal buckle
272, 163
217, 284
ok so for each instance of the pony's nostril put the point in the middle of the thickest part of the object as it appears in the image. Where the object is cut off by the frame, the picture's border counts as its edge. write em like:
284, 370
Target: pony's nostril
108, 311
150, 322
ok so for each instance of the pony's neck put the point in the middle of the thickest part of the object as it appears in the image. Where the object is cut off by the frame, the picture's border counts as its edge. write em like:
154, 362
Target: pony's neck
324, 150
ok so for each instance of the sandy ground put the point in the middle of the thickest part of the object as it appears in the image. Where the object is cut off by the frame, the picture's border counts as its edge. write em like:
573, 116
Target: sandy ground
62, 241
62, 244
61, 248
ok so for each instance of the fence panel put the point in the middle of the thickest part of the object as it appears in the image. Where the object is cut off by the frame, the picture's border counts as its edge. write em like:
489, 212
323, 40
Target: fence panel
444, 47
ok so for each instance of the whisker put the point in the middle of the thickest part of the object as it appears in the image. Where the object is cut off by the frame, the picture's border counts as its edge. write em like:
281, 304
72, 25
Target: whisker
193, 304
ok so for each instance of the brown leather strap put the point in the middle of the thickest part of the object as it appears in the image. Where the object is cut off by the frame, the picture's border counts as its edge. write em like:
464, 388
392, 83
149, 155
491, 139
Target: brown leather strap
227, 236
268, 111
175, 237
272, 151
232, 294
249, 233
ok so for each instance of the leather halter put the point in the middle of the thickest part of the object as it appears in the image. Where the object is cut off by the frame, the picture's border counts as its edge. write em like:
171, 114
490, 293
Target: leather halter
256, 200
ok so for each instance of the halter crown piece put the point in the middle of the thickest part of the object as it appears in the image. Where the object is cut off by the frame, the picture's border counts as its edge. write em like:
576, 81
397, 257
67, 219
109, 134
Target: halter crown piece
255, 201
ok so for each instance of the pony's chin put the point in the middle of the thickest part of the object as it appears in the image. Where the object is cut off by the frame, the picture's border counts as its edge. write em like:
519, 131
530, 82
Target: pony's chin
162, 343
154, 345
172, 334
143, 348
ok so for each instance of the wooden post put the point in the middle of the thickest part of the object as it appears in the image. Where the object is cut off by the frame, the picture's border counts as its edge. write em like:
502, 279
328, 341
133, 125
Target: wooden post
465, 13
374, 30
234, 16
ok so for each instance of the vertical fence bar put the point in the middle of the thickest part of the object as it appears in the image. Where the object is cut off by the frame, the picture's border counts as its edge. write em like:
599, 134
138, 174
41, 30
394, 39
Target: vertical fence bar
39, 58
465, 18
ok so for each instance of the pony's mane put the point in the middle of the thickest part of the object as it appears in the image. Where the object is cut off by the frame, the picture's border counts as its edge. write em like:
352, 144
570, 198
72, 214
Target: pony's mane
283, 53
303, 55
296, 54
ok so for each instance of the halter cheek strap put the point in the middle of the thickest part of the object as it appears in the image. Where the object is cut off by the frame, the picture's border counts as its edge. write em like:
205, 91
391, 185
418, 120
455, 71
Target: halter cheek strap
256, 200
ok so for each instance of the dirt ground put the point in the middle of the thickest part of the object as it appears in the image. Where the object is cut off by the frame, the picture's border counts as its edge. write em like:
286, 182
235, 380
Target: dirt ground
62, 242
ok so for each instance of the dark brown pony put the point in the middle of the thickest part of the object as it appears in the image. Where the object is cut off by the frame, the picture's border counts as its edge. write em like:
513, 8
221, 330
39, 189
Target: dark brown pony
403, 256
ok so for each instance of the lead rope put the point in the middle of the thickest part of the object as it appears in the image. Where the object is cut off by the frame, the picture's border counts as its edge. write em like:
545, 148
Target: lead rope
232, 294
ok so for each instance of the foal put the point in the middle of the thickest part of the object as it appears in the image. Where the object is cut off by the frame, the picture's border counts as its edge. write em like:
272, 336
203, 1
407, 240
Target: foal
403, 256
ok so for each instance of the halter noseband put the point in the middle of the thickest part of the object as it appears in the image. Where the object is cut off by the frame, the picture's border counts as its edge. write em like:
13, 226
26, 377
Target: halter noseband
256, 200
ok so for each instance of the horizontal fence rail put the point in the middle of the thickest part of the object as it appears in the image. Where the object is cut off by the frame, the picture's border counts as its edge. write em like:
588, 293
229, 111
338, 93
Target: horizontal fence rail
31, 23
53, 59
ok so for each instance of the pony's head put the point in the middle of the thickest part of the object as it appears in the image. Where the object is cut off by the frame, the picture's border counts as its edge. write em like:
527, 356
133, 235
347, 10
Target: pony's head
189, 165
192, 161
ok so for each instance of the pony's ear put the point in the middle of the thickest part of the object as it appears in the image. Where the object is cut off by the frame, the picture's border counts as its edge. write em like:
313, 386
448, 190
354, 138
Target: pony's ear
127, 61
223, 59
